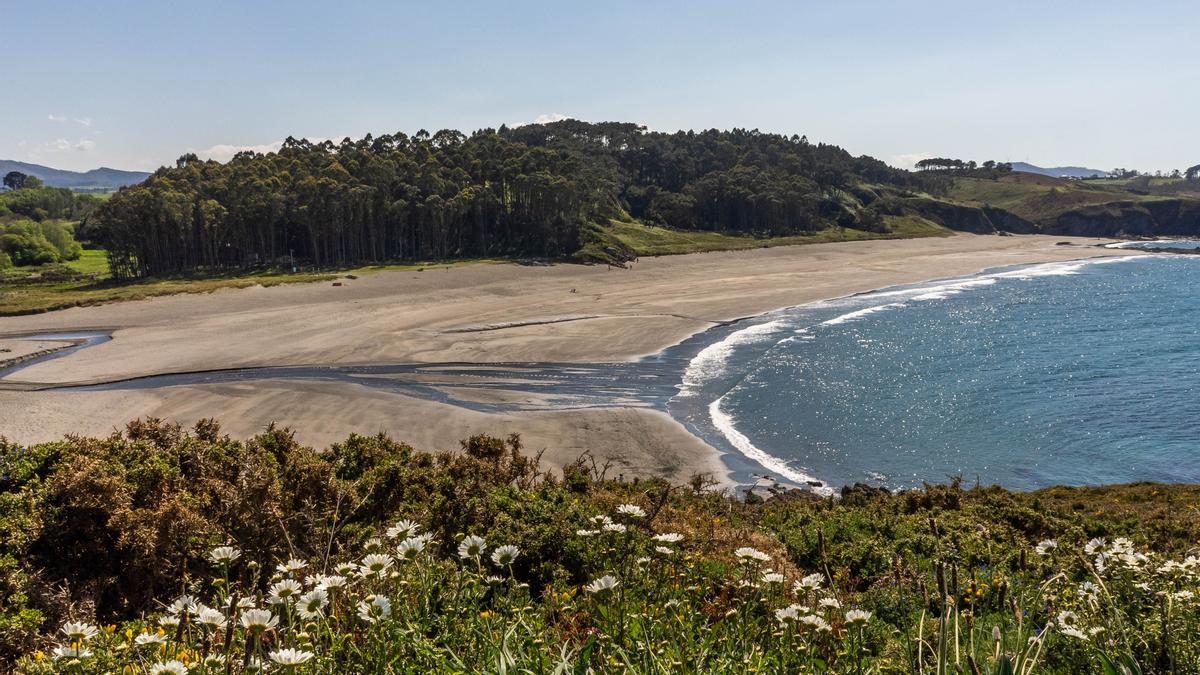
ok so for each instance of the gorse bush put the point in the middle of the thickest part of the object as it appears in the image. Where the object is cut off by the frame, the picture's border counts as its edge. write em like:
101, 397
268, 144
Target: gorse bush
163, 551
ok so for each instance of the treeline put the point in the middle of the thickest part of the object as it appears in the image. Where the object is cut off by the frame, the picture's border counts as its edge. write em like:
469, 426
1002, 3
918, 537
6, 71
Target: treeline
43, 203
989, 169
527, 191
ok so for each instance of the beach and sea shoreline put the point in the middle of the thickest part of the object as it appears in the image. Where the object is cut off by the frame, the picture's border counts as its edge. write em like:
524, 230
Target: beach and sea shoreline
468, 314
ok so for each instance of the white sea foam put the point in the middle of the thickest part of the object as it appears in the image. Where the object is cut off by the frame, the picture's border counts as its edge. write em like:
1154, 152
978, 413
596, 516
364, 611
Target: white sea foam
724, 423
860, 313
713, 359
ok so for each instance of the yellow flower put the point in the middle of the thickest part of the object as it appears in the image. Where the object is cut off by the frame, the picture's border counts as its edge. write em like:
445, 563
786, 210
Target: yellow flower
39, 655
485, 614
128, 633
110, 628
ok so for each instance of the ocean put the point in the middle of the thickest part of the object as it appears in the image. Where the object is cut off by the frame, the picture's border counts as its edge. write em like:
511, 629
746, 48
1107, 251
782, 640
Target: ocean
1074, 373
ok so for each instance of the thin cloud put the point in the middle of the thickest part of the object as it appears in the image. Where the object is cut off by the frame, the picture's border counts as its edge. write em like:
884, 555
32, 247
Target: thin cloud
56, 118
548, 118
85, 145
225, 152
909, 160
81, 121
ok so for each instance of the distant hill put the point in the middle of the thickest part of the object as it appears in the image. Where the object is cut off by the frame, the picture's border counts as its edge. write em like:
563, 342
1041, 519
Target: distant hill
96, 179
1058, 171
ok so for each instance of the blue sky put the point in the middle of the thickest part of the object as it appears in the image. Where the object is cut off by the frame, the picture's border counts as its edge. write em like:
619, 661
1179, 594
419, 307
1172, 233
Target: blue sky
135, 84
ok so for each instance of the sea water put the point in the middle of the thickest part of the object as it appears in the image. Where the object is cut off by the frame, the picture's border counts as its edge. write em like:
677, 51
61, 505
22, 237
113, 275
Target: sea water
1074, 373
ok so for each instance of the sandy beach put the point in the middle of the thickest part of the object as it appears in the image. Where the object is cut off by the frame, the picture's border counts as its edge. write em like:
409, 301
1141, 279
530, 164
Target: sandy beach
471, 313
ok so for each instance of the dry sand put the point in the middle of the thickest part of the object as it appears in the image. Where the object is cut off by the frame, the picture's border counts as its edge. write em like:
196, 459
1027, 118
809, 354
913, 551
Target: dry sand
473, 313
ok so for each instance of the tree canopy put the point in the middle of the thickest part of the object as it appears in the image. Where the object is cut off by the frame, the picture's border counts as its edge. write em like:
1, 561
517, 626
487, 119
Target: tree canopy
526, 191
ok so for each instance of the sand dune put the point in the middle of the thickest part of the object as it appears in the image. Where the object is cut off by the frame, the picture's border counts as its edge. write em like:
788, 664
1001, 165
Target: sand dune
474, 313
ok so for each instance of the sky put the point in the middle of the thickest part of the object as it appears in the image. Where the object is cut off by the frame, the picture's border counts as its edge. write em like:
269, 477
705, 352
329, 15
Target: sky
135, 84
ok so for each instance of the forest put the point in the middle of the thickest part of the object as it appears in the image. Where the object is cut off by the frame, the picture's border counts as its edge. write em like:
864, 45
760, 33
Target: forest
530, 191
36, 222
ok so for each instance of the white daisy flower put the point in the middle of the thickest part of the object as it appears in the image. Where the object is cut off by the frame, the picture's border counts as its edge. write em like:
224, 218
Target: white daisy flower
184, 604
614, 527
631, 510
1093, 545
144, 639
1045, 546
292, 566
772, 578
669, 537
79, 632
283, 590
857, 616
312, 604
815, 622
604, 583
346, 569
403, 530
471, 546
586, 533
168, 668
664, 550
375, 565
67, 652
811, 582
259, 620
748, 553
211, 618
224, 555
505, 555
410, 548
291, 657
374, 609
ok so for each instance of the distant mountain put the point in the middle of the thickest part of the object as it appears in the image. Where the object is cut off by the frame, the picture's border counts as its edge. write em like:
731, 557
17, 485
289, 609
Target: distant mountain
1059, 171
96, 179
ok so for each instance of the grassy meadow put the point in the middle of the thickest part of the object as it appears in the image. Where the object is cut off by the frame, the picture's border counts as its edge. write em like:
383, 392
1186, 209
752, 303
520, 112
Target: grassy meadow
167, 550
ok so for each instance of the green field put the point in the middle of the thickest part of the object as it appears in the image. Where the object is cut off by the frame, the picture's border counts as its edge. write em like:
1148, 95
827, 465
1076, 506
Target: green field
650, 240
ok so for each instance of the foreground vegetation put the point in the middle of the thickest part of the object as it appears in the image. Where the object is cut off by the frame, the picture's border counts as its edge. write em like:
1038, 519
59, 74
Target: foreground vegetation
159, 550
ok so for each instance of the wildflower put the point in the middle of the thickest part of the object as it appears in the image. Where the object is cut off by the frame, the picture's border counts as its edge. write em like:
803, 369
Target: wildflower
857, 617
291, 566
184, 604
283, 590
669, 537
410, 548
331, 581
79, 632
772, 578
312, 604
373, 544
586, 533
748, 553
346, 569
259, 620
150, 639
168, 620
471, 547
291, 657
1182, 595
1071, 631
1045, 546
493, 580
631, 510
224, 555
374, 609
211, 618
815, 622
614, 527
604, 583
168, 668
246, 603
404, 529
811, 582
214, 661
600, 520
664, 550
71, 652
830, 603
789, 613
1094, 545
505, 555
375, 565
1088, 590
